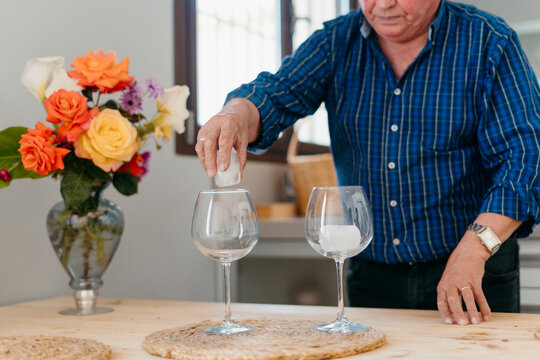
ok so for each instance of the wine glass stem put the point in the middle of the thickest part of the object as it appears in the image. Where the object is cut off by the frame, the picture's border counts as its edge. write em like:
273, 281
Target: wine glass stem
227, 289
341, 308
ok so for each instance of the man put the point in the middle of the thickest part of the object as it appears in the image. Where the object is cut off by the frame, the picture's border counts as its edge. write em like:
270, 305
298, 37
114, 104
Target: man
435, 111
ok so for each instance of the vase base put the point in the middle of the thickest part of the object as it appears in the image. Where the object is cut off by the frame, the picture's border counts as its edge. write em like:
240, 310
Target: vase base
74, 311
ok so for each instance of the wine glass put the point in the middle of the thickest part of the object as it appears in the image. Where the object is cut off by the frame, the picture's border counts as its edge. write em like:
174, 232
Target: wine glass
339, 225
225, 228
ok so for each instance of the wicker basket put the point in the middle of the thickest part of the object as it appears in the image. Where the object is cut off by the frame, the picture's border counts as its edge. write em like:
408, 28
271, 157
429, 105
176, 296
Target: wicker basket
308, 171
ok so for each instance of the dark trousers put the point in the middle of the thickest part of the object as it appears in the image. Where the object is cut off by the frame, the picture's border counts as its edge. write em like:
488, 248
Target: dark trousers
404, 286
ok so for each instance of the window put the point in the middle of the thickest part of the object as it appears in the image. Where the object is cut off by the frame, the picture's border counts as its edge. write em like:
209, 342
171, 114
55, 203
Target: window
220, 45
236, 40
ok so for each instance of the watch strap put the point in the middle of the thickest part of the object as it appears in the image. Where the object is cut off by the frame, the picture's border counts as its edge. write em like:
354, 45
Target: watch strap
488, 238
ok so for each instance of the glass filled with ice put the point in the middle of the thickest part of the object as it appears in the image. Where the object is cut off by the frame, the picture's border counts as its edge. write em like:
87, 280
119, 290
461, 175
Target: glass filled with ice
339, 225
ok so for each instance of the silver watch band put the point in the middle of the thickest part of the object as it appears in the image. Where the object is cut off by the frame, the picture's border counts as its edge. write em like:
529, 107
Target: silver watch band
477, 228
488, 238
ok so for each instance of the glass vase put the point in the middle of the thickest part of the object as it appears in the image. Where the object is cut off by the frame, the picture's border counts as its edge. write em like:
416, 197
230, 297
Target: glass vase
85, 243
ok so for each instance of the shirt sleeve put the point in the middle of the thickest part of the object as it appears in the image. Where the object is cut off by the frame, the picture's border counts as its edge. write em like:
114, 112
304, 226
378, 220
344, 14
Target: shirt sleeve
294, 91
509, 138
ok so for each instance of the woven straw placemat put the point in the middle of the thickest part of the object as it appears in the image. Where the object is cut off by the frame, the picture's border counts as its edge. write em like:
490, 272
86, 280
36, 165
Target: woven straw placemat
271, 339
52, 348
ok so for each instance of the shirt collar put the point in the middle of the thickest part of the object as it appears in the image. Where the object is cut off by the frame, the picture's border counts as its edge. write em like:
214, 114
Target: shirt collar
366, 29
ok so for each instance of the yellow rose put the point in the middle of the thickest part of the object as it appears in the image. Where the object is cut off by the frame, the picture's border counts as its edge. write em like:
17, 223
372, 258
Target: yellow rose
109, 142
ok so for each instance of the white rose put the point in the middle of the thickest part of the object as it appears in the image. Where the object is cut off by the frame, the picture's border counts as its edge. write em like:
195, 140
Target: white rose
61, 80
172, 108
37, 74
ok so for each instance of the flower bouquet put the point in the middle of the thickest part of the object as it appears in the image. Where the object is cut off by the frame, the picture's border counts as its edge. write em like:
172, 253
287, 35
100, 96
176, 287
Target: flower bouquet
93, 135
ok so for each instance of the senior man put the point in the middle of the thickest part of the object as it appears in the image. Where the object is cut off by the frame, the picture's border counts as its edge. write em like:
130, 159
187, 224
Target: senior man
434, 109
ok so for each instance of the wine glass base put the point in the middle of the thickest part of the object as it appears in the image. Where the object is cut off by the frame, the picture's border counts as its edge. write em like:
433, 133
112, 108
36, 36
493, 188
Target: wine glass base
227, 328
75, 311
342, 327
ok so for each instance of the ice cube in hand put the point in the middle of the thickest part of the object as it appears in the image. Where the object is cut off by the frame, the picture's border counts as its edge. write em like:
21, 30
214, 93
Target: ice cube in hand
231, 176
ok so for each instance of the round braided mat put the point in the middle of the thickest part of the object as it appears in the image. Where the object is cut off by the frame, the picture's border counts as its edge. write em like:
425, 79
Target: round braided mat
52, 348
271, 339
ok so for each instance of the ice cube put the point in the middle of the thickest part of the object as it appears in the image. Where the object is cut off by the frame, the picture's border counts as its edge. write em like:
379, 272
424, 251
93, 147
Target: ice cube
341, 238
231, 176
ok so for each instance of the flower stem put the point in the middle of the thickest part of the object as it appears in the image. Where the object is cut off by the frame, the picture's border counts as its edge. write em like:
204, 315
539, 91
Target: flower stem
14, 166
67, 242
86, 256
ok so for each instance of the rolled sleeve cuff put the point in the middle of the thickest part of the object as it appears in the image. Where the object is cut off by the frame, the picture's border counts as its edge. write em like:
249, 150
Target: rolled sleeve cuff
269, 132
511, 203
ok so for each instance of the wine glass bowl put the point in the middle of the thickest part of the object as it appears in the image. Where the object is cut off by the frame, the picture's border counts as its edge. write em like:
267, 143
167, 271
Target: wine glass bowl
339, 225
225, 228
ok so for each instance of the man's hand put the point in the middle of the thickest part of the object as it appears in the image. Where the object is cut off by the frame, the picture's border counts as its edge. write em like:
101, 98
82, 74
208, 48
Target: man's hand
236, 125
462, 279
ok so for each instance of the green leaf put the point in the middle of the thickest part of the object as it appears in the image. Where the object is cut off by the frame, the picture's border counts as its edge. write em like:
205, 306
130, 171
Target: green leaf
87, 92
110, 104
10, 158
94, 172
82, 182
125, 183
9, 139
76, 189
20, 172
79, 165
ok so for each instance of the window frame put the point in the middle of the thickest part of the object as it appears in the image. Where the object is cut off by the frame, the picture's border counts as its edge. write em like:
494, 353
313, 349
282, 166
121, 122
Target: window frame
185, 72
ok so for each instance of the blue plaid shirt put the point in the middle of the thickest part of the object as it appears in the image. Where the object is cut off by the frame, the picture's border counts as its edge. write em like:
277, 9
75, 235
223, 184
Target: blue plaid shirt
457, 135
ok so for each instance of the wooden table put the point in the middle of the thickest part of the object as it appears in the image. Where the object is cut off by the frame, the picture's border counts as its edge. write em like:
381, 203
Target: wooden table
411, 334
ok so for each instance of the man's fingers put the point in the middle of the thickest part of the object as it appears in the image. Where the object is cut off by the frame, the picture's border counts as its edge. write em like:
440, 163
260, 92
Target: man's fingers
242, 156
483, 305
225, 147
210, 149
199, 149
468, 298
444, 310
454, 302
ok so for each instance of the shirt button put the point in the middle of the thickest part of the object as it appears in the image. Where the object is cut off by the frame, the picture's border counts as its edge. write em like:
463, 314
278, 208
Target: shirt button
394, 128
391, 165
411, 263
397, 91
393, 203
396, 241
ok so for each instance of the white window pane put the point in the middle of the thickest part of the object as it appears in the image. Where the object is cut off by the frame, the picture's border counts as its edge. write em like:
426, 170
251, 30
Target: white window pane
236, 40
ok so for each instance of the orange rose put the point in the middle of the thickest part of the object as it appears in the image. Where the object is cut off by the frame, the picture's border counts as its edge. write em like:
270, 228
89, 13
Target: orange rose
98, 70
70, 109
38, 153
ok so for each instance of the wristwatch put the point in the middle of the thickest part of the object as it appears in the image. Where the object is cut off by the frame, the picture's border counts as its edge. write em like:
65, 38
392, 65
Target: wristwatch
487, 237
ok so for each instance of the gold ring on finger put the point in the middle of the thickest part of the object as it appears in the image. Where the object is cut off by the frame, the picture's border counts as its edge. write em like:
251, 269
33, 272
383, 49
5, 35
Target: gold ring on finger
463, 288
201, 139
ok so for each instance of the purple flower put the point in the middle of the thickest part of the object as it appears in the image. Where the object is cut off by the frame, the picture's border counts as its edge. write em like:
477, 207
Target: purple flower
4, 175
131, 99
151, 86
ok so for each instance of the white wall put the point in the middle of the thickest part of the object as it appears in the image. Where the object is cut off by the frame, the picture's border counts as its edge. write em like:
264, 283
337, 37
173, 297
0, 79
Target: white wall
510, 10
